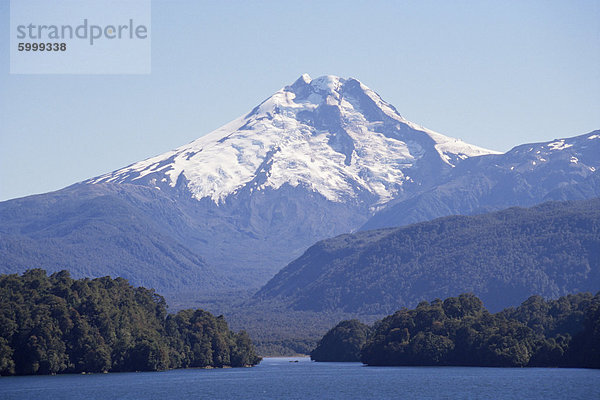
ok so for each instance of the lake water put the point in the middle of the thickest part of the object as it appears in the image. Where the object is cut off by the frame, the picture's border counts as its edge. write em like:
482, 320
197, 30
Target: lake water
278, 378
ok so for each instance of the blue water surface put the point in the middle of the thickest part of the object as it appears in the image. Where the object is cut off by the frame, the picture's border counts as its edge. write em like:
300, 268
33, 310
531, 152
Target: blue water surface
283, 378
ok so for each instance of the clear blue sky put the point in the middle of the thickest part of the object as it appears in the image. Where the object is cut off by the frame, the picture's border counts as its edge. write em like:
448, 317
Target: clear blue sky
493, 73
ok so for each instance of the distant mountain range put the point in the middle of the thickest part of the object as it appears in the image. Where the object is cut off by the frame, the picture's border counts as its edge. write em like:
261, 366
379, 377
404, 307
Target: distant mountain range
503, 257
562, 169
318, 158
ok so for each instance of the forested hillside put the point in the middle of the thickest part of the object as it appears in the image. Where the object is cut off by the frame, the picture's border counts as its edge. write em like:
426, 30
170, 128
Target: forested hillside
343, 343
54, 324
94, 233
460, 331
504, 257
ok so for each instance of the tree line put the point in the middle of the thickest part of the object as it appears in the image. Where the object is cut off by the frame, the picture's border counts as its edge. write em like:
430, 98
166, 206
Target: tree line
459, 331
55, 324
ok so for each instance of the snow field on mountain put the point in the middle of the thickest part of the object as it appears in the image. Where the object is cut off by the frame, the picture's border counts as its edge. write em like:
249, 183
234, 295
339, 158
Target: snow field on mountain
280, 143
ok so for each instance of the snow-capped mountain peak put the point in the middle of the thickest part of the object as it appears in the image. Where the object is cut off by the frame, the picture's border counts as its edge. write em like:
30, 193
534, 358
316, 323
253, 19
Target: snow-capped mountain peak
330, 135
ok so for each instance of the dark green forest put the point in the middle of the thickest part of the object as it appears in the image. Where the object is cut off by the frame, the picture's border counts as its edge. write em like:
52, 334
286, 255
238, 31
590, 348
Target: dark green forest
460, 331
343, 343
55, 324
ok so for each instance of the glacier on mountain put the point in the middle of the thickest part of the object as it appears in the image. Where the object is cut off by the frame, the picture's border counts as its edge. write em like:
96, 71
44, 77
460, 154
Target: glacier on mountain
330, 135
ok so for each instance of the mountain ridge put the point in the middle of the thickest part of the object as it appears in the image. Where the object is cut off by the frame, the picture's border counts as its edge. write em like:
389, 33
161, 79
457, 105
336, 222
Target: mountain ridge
503, 257
319, 158
528, 174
